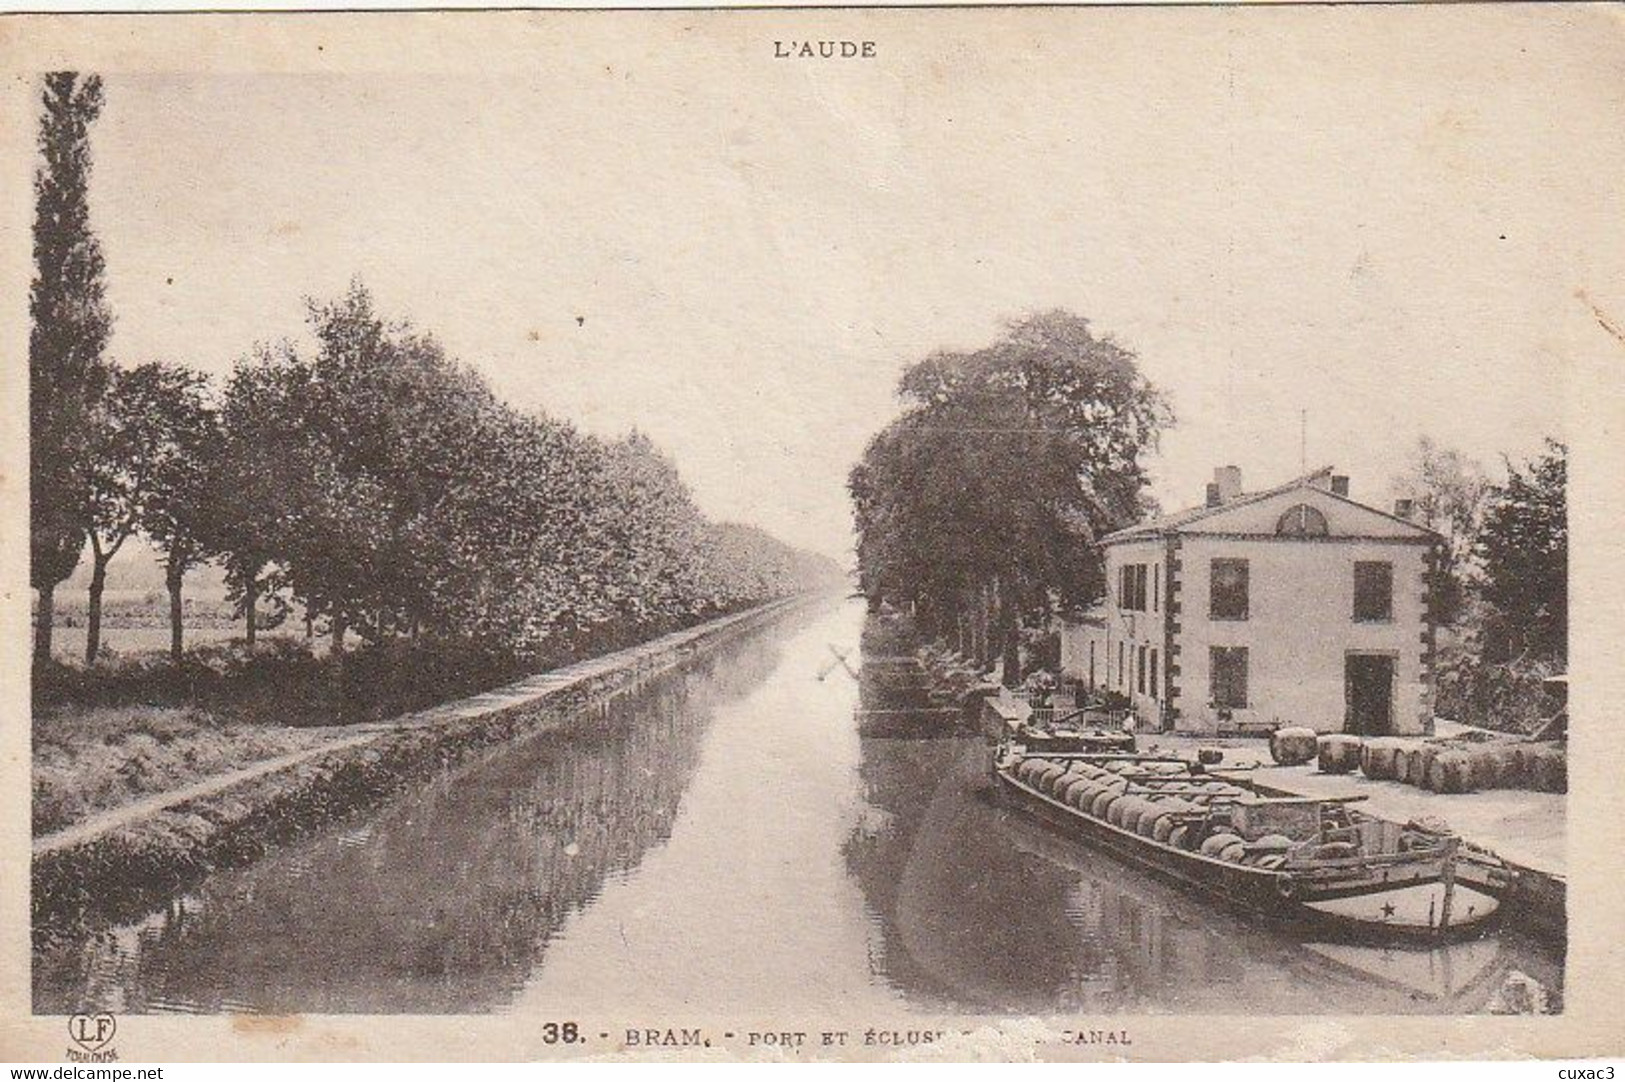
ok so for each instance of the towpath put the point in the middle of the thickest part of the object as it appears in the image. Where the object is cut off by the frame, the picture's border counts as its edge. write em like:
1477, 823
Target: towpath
652, 656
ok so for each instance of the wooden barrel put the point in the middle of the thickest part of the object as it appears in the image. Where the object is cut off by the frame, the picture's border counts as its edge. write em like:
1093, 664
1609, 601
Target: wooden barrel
1292, 746
1450, 772
1379, 759
1402, 761
1128, 811
1496, 766
1103, 803
1338, 753
1142, 811
1523, 762
1162, 827
1074, 786
1416, 770
1548, 769
1179, 836
1216, 844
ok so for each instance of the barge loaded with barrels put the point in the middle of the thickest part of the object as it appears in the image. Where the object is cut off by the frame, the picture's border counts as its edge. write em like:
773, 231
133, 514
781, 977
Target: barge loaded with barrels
1318, 865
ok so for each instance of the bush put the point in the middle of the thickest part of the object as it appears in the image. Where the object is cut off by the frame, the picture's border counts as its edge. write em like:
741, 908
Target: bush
1510, 698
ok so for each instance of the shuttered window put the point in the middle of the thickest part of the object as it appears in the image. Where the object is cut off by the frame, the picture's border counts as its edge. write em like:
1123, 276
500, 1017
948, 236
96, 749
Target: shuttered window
1373, 591
1228, 598
1131, 588
1227, 676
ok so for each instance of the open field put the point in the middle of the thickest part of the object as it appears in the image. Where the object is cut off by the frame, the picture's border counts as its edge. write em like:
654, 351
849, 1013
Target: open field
68, 643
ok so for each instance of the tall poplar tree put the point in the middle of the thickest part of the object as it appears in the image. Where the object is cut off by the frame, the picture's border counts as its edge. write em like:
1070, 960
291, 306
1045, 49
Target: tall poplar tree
70, 323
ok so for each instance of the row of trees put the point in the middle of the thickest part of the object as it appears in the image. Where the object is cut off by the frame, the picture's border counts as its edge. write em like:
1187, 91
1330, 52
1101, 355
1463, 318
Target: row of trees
1007, 463
371, 478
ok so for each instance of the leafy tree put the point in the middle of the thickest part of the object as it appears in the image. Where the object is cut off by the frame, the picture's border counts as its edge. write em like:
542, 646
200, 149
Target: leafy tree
69, 326
137, 436
179, 512
1524, 547
653, 530
257, 479
1450, 492
1007, 464
395, 439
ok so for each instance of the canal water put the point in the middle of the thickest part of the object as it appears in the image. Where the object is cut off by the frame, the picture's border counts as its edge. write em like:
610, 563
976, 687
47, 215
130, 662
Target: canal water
726, 837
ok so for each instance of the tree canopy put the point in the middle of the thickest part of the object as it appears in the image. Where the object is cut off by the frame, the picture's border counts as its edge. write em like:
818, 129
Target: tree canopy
390, 492
1005, 467
1524, 549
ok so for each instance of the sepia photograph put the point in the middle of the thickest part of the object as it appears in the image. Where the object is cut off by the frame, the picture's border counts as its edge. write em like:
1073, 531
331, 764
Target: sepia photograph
1000, 533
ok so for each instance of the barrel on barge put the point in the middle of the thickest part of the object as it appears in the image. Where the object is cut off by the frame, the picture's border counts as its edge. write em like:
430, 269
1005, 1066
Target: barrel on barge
1315, 865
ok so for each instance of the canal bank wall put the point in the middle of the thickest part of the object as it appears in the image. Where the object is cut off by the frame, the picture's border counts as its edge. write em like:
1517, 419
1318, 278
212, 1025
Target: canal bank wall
125, 862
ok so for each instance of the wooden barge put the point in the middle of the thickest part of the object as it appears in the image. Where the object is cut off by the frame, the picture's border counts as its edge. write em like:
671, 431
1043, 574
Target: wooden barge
1314, 865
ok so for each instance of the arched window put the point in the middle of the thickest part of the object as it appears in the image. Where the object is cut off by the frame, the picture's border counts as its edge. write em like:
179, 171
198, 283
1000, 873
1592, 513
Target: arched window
1302, 521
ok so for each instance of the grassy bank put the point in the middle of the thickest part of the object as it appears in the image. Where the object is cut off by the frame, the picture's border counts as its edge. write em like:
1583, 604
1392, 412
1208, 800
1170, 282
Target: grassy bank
136, 725
92, 759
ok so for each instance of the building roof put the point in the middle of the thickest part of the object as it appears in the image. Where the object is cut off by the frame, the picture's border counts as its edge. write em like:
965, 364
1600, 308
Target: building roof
1177, 521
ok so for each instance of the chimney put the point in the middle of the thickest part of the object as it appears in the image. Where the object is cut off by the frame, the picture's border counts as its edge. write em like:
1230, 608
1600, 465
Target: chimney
1404, 508
1212, 494
1228, 481
1340, 484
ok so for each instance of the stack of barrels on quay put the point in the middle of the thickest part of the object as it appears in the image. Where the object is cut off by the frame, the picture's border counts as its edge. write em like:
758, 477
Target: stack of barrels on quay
1442, 766
1464, 766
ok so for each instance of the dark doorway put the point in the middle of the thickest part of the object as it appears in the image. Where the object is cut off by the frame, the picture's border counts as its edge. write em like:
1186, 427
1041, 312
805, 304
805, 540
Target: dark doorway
1368, 689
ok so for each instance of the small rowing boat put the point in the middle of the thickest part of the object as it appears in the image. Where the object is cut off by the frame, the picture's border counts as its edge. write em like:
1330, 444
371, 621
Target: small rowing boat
1315, 864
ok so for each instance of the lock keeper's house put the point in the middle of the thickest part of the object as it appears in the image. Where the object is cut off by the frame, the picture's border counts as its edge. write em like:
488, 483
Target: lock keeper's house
1296, 605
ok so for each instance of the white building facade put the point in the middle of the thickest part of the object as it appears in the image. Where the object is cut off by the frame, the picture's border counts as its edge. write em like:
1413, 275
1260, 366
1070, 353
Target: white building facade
1292, 606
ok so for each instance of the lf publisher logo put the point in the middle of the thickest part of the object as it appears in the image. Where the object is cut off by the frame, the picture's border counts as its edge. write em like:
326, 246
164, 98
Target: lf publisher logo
93, 1032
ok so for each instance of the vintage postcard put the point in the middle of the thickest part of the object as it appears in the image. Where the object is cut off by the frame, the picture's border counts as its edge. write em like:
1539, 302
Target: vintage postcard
1032, 533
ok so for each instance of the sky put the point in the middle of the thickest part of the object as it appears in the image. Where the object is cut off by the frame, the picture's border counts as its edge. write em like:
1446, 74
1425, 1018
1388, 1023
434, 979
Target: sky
1381, 218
